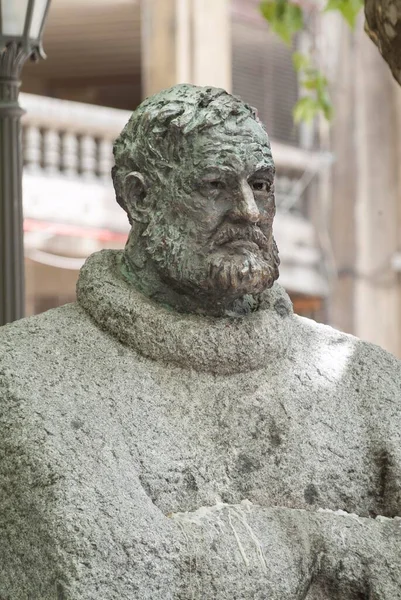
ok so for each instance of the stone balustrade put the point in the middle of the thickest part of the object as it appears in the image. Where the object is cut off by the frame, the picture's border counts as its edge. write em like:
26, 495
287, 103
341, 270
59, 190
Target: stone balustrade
66, 137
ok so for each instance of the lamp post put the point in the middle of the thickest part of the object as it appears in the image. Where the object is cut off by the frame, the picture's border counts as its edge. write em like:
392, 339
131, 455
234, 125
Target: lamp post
21, 27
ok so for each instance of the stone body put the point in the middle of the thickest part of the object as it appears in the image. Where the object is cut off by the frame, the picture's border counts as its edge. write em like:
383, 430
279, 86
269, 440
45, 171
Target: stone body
178, 433
104, 449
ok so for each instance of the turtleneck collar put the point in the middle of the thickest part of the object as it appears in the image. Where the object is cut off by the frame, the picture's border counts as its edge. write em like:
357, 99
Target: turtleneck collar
219, 345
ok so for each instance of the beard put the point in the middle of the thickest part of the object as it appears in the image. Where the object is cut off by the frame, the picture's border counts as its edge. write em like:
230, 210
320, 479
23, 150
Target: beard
244, 260
236, 260
245, 272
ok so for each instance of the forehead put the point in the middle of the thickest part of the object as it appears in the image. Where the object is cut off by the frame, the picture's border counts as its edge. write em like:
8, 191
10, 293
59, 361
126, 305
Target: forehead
243, 149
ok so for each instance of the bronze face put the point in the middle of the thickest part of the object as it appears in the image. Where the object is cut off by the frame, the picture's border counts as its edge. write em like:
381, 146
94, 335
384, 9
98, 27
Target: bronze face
213, 229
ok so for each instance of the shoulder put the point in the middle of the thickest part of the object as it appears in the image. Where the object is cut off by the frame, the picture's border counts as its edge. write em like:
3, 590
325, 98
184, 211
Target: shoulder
48, 330
325, 334
50, 322
350, 357
37, 348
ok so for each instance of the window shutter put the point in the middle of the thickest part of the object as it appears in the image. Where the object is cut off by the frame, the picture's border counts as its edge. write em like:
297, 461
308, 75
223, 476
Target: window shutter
264, 77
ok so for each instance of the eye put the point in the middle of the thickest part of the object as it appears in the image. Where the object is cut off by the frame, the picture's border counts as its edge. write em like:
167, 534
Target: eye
259, 186
216, 184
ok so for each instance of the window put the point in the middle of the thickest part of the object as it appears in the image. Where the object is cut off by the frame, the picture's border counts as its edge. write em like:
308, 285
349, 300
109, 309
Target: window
263, 75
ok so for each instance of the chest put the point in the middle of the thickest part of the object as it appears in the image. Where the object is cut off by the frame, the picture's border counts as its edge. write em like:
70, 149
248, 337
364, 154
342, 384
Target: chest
275, 443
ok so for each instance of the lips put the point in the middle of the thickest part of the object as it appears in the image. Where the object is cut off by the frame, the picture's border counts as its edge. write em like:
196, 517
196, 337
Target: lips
240, 237
242, 244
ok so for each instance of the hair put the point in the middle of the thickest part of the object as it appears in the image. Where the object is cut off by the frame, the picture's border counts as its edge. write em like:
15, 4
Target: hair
154, 137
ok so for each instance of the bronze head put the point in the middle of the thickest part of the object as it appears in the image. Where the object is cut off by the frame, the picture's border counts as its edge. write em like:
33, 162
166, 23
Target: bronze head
194, 172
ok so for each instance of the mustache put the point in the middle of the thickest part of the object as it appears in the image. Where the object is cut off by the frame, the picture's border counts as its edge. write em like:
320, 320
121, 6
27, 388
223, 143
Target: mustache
231, 233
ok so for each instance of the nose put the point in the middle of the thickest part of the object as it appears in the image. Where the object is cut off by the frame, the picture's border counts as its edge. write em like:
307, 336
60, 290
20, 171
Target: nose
245, 208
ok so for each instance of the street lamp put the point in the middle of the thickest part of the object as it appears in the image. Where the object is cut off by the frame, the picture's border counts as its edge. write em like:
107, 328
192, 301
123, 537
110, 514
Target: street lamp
21, 27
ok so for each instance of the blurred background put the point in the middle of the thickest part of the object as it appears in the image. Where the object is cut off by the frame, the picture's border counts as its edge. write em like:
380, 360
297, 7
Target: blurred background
338, 184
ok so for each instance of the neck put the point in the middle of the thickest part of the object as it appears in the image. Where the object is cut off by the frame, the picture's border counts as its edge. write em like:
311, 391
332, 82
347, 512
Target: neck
141, 272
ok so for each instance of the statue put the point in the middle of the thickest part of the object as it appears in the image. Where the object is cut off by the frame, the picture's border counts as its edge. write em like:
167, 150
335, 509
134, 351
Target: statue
178, 433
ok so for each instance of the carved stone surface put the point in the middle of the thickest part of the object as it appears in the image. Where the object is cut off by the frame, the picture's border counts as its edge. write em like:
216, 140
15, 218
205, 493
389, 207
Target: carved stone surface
151, 452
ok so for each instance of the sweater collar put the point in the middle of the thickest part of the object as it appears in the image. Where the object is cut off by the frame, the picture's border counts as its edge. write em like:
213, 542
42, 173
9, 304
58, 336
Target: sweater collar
217, 345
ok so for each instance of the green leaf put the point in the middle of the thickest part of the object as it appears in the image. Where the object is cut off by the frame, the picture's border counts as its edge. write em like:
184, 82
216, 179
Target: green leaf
321, 83
294, 17
314, 80
348, 8
285, 17
333, 5
300, 61
305, 109
328, 111
282, 30
309, 84
268, 10
308, 107
326, 106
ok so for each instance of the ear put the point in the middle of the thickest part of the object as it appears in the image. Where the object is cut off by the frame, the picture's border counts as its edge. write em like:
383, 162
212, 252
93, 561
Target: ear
135, 192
